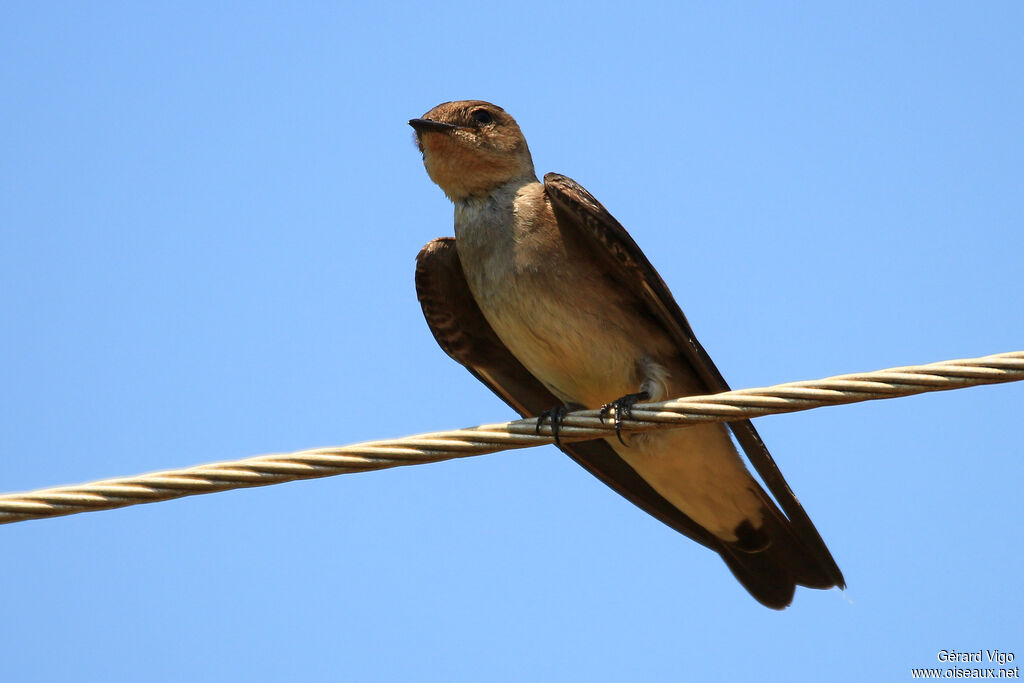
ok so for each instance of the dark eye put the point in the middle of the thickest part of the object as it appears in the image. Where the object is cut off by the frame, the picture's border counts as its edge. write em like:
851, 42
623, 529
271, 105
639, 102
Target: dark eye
482, 116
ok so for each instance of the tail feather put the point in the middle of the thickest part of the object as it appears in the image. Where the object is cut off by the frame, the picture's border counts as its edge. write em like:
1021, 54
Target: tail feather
763, 574
772, 573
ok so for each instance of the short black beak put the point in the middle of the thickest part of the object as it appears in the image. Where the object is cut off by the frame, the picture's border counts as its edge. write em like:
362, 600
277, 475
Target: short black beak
424, 125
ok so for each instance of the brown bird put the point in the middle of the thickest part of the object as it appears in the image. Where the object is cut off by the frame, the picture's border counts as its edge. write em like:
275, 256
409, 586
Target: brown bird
547, 300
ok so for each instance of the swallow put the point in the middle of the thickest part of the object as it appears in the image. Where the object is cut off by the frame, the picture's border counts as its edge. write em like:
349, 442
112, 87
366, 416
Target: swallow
545, 298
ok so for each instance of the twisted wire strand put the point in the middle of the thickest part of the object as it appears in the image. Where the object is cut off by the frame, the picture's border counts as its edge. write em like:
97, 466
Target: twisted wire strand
276, 468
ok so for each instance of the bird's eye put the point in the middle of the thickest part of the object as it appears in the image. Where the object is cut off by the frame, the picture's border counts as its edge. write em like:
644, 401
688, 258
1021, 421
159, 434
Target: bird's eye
482, 116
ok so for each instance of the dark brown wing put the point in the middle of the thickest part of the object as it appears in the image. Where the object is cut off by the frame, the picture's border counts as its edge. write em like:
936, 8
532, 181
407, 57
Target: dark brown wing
462, 331
576, 209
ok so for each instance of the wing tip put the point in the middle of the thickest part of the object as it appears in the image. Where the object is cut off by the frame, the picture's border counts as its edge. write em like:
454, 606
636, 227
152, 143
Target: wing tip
771, 573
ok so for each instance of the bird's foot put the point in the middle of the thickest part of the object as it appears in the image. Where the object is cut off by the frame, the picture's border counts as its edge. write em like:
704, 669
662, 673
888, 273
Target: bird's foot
623, 410
554, 416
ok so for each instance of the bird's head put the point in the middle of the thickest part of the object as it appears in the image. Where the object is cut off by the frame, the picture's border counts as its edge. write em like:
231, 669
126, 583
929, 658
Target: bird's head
471, 147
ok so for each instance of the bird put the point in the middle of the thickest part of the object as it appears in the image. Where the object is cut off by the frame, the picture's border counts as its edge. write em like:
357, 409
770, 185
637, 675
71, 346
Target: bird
545, 298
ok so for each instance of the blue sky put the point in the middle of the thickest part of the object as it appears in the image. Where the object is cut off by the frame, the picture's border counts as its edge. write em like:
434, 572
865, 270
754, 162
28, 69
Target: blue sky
208, 220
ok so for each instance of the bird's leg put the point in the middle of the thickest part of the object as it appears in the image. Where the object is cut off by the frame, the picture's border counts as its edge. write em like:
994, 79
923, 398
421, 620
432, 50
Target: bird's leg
553, 415
623, 409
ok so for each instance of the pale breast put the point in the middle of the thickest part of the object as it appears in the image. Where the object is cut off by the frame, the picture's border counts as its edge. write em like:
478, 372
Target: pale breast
555, 311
